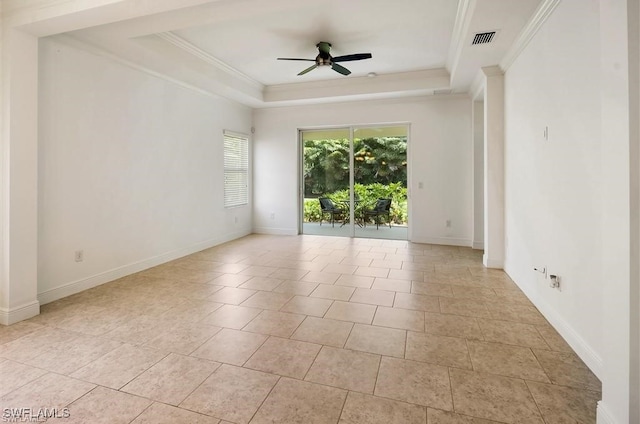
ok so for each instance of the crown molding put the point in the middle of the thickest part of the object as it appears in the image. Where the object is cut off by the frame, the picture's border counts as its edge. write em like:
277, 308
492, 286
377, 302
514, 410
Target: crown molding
459, 34
544, 10
185, 45
404, 82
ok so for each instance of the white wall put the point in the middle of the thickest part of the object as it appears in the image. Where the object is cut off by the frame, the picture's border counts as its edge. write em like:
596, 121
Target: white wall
130, 170
478, 174
553, 188
440, 157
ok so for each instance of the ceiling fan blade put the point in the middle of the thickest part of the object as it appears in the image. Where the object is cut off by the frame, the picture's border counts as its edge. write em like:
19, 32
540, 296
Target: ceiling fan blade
310, 68
340, 69
295, 58
350, 57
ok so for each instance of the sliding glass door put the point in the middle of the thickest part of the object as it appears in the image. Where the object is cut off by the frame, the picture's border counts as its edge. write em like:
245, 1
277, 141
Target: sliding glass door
354, 182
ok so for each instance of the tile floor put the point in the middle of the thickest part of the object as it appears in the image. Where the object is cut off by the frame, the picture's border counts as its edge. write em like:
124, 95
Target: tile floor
304, 329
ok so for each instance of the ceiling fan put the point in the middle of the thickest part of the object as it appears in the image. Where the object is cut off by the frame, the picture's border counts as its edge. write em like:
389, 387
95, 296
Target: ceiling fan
325, 59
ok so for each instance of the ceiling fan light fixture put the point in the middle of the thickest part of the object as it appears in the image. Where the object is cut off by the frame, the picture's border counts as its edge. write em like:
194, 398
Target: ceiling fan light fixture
372, 75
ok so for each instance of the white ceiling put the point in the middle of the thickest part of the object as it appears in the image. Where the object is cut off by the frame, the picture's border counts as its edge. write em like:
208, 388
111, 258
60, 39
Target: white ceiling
229, 47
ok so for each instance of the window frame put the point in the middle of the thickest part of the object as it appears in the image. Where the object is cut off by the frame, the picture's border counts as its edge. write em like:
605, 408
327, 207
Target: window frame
236, 169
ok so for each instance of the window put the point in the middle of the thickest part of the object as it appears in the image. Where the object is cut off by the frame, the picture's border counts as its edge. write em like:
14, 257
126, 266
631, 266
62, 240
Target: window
236, 169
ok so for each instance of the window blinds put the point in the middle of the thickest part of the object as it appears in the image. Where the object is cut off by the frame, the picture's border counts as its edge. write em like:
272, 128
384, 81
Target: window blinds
236, 169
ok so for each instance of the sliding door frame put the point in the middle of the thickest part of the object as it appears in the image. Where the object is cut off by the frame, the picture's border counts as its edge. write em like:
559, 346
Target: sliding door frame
351, 129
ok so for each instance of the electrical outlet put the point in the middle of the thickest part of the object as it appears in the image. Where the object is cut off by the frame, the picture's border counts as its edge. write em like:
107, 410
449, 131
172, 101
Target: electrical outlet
79, 255
448, 223
272, 216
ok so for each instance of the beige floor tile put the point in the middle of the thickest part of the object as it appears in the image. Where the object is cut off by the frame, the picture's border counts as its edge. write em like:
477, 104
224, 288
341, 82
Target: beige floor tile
553, 339
414, 382
515, 312
452, 325
231, 316
507, 360
289, 358
399, 318
561, 405
431, 289
354, 281
321, 277
159, 413
230, 346
300, 288
380, 340
360, 262
352, 312
323, 331
369, 271
267, 300
512, 333
417, 302
465, 307
258, 271
373, 297
231, 393
274, 323
261, 283
183, 338
14, 375
493, 397
138, 330
337, 268
36, 343
182, 306
230, 280
326, 291
47, 391
70, 356
12, 332
191, 311
118, 367
567, 369
307, 305
436, 416
172, 379
106, 406
345, 369
440, 350
231, 295
389, 284
366, 409
290, 274
300, 402
379, 261
480, 293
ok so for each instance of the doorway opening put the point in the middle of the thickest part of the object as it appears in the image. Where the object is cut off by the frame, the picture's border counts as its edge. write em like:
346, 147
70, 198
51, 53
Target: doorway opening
354, 182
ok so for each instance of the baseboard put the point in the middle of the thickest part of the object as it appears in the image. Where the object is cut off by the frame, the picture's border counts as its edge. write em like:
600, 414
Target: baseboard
492, 263
478, 245
603, 416
113, 274
20, 313
577, 343
445, 241
275, 231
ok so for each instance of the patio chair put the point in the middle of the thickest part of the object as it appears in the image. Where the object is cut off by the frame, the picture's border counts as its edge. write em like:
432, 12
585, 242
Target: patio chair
382, 208
328, 207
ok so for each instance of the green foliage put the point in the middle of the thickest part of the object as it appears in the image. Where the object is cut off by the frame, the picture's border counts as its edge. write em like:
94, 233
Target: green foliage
376, 160
368, 195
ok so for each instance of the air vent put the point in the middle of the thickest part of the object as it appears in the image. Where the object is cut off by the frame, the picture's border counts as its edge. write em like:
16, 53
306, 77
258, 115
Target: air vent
483, 37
